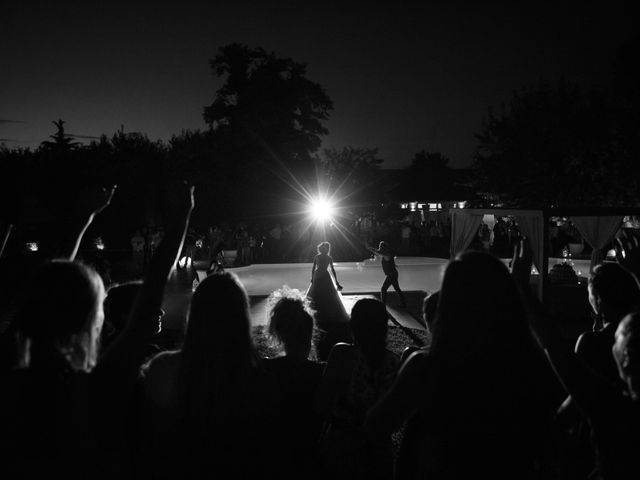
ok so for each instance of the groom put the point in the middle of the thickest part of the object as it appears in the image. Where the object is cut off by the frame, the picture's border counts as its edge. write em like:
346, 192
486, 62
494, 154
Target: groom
391, 272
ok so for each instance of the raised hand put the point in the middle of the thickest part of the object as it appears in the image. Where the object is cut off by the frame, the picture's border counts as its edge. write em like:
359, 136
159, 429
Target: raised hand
93, 200
627, 247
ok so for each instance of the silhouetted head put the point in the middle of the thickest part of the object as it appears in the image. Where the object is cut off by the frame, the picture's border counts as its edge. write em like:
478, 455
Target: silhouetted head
613, 292
117, 308
290, 321
479, 310
430, 308
384, 247
219, 323
626, 351
324, 248
369, 325
62, 315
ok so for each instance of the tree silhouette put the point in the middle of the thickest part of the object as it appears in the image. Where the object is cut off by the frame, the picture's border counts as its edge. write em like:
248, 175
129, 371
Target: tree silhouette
61, 142
553, 146
267, 109
353, 172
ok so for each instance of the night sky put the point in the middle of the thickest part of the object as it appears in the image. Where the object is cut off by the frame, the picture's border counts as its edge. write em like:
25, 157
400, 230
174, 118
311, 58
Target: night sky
402, 76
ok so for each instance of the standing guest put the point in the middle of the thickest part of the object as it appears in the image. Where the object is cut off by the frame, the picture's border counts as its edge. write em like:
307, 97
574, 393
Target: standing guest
356, 377
613, 293
291, 327
211, 404
62, 412
613, 410
391, 272
482, 391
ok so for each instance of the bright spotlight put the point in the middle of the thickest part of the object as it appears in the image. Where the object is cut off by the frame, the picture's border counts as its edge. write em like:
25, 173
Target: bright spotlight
322, 210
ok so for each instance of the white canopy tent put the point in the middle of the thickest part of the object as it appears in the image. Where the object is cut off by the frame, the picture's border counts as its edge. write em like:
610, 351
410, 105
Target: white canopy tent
597, 226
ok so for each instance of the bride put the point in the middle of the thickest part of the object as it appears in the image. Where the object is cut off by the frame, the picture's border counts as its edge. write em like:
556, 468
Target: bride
323, 293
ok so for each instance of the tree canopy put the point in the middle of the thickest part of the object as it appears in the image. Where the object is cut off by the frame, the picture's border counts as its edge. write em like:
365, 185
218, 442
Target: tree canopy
267, 107
554, 146
354, 172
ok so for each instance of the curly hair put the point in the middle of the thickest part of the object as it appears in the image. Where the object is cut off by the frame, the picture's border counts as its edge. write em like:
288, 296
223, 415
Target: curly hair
290, 318
324, 247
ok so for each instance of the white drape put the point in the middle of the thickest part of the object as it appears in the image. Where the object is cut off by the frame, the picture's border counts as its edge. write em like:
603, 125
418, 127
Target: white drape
532, 228
597, 232
464, 227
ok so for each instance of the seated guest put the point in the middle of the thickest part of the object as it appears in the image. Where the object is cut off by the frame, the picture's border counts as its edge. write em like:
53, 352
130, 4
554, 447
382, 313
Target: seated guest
482, 391
212, 408
291, 327
355, 378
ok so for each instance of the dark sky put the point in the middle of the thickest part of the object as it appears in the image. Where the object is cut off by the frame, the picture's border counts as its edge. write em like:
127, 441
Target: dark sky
403, 76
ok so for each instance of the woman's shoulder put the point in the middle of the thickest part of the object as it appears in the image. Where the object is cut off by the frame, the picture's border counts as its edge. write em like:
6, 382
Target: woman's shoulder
160, 370
340, 353
416, 364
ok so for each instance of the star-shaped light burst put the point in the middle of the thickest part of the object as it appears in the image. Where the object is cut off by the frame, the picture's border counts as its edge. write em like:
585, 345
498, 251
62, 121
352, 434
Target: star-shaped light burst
322, 210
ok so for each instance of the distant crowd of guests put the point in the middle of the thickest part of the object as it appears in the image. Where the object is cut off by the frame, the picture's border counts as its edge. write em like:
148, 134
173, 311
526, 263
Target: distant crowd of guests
281, 242
86, 393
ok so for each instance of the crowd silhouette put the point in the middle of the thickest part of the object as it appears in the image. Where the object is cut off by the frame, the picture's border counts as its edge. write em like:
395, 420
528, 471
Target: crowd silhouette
86, 392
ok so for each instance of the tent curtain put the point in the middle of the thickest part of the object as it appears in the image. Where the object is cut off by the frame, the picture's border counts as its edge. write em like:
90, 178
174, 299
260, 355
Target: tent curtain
597, 232
464, 228
532, 228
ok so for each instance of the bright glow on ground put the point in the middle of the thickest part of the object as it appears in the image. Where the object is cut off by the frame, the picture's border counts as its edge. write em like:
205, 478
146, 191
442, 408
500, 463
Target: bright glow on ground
322, 210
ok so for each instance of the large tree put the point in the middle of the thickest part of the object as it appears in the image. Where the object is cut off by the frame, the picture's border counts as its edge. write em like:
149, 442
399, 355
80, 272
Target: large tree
354, 173
553, 146
268, 112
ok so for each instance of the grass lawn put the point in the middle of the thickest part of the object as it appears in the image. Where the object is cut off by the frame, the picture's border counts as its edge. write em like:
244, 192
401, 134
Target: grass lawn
397, 340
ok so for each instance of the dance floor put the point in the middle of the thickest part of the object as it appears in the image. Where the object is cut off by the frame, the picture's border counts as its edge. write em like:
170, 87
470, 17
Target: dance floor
417, 276
415, 273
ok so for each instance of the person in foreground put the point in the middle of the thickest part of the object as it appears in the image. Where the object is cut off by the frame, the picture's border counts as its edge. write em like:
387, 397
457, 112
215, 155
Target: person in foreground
63, 411
612, 409
481, 393
291, 327
355, 378
213, 410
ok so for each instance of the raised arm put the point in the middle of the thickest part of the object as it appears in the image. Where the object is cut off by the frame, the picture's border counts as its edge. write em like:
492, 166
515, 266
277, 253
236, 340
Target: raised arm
5, 238
578, 380
91, 202
128, 350
374, 251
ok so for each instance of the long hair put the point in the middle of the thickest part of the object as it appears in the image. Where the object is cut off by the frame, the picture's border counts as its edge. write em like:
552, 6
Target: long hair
490, 387
61, 316
368, 324
218, 349
480, 311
